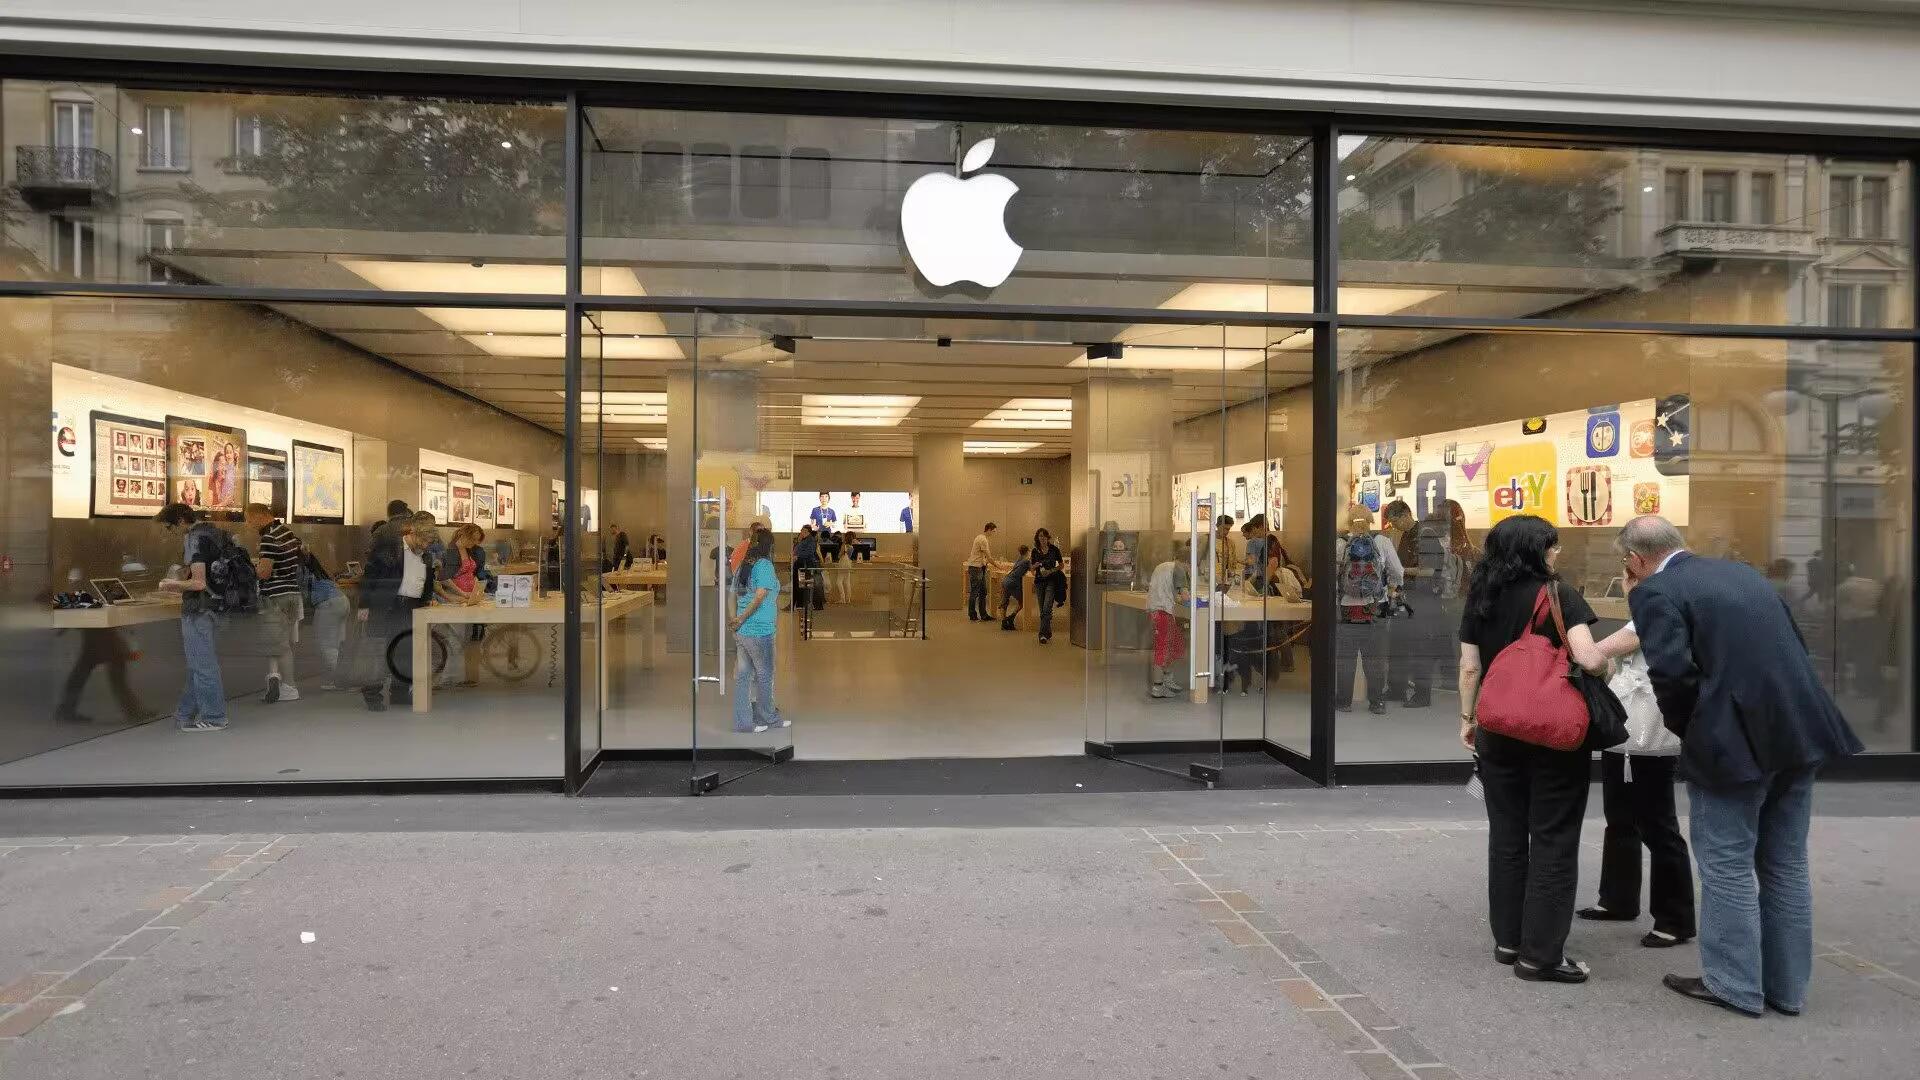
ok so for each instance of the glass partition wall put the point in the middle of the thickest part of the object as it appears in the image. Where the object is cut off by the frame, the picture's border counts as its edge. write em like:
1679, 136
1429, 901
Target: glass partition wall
332, 304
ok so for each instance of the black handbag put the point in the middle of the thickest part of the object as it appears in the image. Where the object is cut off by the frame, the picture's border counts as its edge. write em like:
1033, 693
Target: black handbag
1606, 717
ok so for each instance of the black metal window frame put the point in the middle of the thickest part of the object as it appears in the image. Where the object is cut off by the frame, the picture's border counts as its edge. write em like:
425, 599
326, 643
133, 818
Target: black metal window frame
1322, 128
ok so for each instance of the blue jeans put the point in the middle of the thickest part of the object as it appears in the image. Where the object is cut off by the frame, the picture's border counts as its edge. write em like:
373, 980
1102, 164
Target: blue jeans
203, 695
753, 683
1756, 895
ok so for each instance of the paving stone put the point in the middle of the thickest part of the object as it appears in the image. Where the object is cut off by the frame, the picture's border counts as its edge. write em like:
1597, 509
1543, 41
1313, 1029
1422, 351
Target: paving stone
1264, 920
1367, 1013
183, 913
1239, 901
225, 862
1401, 1043
32, 841
1341, 1030
217, 890
1186, 852
1160, 860
1213, 909
1177, 876
151, 840
1435, 1072
127, 924
1292, 947
88, 977
1264, 961
166, 898
1376, 1066
141, 941
26, 1018
245, 871
1331, 982
1302, 993
1193, 890
24, 988
1850, 962
1240, 933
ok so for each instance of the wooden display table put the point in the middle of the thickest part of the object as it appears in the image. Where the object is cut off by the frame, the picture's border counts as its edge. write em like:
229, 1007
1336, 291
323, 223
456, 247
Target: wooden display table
133, 613
655, 578
1219, 609
1029, 617
541, 612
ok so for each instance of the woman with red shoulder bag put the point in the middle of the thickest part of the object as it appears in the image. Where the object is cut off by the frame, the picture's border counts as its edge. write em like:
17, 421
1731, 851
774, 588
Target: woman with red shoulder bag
1536, 793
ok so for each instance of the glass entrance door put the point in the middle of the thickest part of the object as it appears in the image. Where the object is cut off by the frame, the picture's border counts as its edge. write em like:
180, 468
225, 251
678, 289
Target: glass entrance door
1155, 570
739, 634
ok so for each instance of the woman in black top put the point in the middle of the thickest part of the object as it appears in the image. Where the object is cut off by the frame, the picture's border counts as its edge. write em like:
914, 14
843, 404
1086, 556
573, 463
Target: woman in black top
1049, 579
1536, 797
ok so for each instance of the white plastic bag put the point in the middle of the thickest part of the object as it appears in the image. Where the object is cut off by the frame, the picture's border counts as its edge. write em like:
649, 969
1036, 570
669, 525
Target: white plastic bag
1647, 733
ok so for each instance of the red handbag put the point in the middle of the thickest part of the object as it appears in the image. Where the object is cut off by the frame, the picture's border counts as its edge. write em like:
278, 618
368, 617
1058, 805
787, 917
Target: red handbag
1528, 694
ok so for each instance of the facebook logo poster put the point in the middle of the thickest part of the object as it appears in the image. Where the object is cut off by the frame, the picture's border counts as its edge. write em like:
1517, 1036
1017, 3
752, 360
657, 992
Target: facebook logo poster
1429, 494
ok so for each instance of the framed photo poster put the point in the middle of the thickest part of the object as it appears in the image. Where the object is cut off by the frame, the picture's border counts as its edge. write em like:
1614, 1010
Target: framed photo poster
207, 466
483, 505
319, 484
506, 514
459, 498
267, 478
129, 466
433, 493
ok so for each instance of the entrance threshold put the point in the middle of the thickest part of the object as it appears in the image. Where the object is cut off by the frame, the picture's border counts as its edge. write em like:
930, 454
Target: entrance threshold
1065, 775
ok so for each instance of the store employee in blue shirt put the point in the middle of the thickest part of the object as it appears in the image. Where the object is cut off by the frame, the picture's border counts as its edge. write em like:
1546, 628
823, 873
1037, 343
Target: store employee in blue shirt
823, 516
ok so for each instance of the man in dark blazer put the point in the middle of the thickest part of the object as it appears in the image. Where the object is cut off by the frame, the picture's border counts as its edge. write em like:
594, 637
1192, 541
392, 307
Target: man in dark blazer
1735, 682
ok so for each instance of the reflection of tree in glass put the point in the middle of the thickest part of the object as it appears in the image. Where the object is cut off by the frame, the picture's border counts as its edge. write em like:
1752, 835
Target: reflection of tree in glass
1516, 205
426, 165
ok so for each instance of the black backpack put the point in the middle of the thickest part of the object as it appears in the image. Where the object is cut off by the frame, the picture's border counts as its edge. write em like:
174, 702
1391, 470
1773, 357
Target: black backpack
233, 584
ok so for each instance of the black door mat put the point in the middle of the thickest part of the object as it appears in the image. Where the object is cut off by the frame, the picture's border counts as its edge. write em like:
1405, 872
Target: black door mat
938, 776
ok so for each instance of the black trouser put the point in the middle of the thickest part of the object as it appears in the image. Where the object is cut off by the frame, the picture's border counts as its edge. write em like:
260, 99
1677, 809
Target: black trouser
976, 592
1641, 811
1413, 648
1048, 591
101, 646
1358, 644
1535, 800
385, 650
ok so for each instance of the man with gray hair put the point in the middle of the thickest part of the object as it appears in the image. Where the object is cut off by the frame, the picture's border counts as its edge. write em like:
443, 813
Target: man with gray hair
1736, 684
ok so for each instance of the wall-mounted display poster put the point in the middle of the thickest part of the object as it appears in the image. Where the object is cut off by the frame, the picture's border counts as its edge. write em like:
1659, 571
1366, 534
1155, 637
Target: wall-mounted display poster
756, 485
267, 478
506, 509
856, 511
1243, 490
319, 483
483, 506
459, 499
129, 466
1587, 468
433, 493
207, 465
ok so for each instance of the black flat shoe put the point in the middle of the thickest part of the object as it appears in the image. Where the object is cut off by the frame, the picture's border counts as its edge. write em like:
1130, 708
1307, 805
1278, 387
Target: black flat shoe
1504, 955
1783, 1010
1566, 971
1600, 914
1696, 988
1660, 939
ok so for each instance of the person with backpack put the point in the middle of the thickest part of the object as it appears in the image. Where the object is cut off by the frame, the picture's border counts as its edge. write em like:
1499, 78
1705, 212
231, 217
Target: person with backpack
215, 578
1368, 572
1535, 795
279, 568
330, 613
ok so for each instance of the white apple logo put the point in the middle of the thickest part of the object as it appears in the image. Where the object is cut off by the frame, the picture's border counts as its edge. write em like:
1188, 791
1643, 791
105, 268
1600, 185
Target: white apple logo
956, 229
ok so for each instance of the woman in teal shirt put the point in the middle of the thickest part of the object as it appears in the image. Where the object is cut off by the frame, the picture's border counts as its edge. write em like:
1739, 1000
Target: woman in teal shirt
758, 588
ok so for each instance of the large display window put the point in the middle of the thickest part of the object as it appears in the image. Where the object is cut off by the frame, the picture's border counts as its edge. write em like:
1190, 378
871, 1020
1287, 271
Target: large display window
1153, 338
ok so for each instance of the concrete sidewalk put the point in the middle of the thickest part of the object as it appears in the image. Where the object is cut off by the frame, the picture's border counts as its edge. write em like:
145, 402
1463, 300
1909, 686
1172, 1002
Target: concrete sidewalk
1326, 934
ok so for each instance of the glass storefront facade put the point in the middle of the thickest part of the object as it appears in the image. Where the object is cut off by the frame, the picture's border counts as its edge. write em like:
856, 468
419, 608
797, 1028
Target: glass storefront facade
599, 341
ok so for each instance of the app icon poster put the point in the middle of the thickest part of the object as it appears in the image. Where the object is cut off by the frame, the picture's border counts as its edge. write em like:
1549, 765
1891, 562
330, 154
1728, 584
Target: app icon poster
1429, 494
1589, 495
1640, 440
1370, 495
1603, 434
1520, 480
1383, 458
1646, 498
1673, 435
1402, 469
